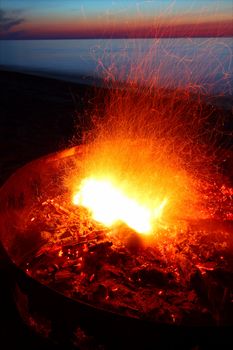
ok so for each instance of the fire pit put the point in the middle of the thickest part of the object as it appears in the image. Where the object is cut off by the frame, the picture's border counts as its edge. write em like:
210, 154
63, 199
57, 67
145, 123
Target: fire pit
84, 283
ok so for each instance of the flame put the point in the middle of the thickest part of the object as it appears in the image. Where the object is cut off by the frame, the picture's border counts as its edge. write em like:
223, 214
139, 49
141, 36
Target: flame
110, 204
145, 145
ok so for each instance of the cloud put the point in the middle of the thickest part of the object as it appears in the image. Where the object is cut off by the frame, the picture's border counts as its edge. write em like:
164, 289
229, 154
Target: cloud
9, 20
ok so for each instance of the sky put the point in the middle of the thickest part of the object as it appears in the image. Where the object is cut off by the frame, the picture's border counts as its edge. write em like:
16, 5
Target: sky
68, 19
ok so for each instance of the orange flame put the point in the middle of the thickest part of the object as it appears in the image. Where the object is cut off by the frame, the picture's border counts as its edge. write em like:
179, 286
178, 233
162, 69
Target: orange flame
110, 204
146, 145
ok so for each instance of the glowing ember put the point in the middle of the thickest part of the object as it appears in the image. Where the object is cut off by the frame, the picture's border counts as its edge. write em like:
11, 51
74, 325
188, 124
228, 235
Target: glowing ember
109, 205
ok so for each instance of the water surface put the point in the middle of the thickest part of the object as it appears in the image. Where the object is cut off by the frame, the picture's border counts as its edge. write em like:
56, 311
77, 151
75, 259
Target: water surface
200, 63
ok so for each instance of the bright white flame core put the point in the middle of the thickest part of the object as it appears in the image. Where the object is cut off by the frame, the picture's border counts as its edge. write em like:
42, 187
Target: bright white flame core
109, 205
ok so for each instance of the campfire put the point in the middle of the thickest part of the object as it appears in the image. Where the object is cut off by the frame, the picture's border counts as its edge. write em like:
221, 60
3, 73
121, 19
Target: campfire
136, 222
111, 248
133, 223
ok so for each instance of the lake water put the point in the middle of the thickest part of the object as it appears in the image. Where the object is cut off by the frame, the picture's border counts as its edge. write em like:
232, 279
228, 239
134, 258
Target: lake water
199, 63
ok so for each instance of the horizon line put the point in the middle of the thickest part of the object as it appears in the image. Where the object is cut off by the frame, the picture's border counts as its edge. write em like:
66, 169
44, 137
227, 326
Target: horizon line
120, 37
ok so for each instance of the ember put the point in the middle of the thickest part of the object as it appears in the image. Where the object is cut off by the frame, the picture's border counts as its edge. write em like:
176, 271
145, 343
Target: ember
183, 276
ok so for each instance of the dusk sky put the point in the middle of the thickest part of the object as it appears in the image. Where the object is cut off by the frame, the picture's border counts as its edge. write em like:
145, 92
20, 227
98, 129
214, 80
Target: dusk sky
49, 19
